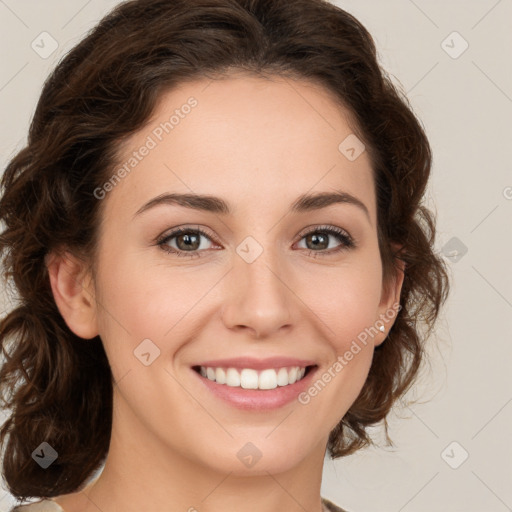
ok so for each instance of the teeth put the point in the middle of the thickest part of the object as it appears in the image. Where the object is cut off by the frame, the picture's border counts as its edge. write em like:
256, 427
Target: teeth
220, 376
267, 379
249, 379
252, 379
232, 378
282, 377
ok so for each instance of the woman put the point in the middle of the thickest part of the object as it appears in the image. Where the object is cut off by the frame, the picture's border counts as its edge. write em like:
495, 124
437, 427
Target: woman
223, 262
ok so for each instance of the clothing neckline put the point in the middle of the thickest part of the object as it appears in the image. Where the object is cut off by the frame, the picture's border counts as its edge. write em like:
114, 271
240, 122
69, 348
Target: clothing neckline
327, 506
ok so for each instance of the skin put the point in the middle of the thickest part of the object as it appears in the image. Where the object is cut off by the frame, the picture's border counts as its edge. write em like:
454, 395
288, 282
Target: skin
259, 144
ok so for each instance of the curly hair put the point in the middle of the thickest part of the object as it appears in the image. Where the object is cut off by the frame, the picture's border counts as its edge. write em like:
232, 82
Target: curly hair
58, 389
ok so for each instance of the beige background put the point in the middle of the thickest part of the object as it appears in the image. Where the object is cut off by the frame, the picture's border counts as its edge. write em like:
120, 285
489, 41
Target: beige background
465, 104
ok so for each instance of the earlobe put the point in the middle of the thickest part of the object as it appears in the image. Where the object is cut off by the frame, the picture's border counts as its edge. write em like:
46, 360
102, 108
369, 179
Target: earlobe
73, 293
390, 303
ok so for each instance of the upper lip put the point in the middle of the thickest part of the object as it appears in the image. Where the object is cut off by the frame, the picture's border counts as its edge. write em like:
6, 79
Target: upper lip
257, 364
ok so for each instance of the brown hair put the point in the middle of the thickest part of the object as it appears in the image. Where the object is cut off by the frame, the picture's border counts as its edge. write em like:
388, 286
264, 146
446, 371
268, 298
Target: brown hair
58, 388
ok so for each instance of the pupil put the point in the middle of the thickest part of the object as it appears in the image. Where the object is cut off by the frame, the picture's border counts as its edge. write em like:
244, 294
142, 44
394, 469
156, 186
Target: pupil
316, 238
188, 240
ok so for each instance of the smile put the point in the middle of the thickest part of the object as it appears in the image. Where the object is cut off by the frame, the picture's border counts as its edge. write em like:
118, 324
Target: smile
249, 378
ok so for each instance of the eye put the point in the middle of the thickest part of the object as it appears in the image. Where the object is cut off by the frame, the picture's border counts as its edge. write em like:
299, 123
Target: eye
186, 242
318, 239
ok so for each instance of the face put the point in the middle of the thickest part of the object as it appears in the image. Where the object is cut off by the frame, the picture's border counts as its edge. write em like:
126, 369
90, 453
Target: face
257, 280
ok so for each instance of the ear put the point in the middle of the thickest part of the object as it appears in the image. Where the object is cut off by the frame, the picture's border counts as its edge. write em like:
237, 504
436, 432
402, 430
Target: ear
390, 299
73, 293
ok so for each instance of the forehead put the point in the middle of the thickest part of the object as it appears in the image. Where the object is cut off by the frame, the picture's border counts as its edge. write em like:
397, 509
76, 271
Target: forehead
250, 140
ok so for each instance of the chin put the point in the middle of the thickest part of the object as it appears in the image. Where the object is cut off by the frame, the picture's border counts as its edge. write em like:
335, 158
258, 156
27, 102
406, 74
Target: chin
257, 455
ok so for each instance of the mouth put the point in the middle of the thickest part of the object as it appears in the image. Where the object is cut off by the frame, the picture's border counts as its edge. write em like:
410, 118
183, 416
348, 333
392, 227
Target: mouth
252, 378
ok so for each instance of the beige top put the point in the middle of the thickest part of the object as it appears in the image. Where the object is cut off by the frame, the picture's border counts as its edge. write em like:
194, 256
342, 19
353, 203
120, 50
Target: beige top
51, 506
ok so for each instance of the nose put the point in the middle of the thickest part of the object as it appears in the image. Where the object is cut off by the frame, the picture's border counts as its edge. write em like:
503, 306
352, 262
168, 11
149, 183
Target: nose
258, 298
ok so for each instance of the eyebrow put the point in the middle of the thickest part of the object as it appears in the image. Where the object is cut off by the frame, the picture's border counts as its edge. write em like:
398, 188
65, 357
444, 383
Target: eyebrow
304, 203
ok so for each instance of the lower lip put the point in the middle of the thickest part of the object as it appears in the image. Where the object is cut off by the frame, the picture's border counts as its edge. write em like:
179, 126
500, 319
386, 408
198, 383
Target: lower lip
258, 399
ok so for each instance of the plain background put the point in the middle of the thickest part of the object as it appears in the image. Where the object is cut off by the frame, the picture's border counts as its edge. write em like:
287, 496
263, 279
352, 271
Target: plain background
452, 451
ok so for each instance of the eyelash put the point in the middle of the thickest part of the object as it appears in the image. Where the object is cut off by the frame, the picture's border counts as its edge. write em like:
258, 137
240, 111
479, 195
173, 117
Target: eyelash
347, 242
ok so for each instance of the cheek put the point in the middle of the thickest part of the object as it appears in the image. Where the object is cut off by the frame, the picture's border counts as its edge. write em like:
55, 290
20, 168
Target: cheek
140, 302
345, 299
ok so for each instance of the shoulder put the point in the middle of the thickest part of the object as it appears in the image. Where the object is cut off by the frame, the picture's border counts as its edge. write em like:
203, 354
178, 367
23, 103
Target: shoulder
329, 506
38, 506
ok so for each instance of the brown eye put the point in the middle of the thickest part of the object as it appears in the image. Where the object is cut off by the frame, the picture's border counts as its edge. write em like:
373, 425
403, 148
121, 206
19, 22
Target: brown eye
317, 240
188, 242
